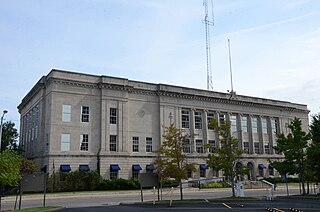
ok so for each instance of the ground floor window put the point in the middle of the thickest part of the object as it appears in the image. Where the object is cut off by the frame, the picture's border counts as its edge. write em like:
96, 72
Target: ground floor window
260, 172
113, 175
135, 174
202, 173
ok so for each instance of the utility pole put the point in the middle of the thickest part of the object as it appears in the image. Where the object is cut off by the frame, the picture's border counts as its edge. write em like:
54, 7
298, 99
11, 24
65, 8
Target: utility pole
1, 123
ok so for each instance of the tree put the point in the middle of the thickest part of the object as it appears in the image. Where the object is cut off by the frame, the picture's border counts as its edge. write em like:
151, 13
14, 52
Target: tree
226, 156
172, 162
293, 146
10, 162
313, 151
9, 136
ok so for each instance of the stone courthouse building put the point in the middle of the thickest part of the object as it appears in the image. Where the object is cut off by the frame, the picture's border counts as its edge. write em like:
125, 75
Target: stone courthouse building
72, 121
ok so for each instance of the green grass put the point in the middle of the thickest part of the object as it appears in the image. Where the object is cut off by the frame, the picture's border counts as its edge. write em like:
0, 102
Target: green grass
38, 209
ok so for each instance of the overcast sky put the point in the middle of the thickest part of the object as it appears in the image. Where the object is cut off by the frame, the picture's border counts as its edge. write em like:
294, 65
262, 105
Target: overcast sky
275, 45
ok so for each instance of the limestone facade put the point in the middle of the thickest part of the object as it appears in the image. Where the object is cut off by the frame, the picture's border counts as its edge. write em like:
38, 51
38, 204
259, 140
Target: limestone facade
76, 119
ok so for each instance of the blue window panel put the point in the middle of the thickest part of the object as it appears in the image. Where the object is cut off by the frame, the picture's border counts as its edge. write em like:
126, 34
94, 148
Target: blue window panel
65, 168
250, 165
136, 167
261, 166
203, 167
270, 166
84, 167
115, 167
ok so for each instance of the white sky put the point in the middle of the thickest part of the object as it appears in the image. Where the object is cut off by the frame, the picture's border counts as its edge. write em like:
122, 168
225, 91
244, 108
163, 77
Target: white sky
275, 45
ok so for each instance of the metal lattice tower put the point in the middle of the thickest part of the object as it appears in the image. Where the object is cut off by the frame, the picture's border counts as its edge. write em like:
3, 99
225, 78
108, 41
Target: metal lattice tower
207, 24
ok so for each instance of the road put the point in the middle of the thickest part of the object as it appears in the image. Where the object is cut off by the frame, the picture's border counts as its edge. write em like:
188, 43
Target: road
89, 199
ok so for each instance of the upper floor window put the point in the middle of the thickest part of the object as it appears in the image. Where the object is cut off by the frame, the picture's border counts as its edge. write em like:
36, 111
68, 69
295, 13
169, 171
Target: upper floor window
210, 116
66, 113
274, 125
244, 124
264, 125
65, 142
212, 145
84, 142
199, 146
186, 146
254, 125
185, 117
222, 118
113, 115
113, 143
84, 114
233, 120
135, 144
148, 144
198, 120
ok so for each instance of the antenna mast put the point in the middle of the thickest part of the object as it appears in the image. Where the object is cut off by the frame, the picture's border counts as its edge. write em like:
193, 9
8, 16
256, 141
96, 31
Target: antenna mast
207, 24
230, 67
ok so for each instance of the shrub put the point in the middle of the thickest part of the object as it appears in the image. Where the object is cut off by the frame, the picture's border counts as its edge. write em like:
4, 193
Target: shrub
215, 185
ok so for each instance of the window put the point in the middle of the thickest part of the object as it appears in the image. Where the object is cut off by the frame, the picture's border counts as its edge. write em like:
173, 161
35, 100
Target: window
254, 125
186, 146
66, 113
148, 144
135, 174
202, 173
246, 147
113, 174
185, 116
271, 171
212, 145
199, 146
135, 144
65, 142
113, 143
113, 115
233, 120
84, 142
222, 118
267, 148
244, 124
198, 120
84, 114
256, 147
264, 126
274, 125
210, 116
261, 174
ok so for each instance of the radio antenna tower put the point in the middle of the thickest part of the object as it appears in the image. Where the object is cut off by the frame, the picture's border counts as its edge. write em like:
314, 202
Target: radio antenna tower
207, 24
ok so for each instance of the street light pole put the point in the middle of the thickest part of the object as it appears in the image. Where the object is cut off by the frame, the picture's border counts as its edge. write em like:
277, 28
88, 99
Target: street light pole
1, 123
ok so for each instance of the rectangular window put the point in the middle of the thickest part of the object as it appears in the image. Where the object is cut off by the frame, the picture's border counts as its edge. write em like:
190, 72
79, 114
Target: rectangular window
256, 147
244, 124
271, 172
84, 142
246, 147
65, 142
135, 144
198, 120
202, 173
261, 174
210, 116
264, 126
199, 146
189, 174
66, 113
113, 143
274, 125
113, 115
113, 175
212, 145
84, 114
233, 120
185, 116
267, 148
254, 125
187, 146
135, 174
222, 118
148, 144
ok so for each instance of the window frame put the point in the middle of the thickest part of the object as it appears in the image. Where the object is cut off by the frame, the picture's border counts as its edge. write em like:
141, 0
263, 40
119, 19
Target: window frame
149, 144
185, 118
113, 115
85, 114
66, 141
198, 120
84, 142
135, 144
113, 143
66, 113
199, 148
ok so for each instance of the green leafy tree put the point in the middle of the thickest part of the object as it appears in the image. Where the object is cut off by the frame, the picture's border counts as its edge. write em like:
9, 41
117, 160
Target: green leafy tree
293, 146
172, 162
10, 135
313, 151
227, 155
10, 162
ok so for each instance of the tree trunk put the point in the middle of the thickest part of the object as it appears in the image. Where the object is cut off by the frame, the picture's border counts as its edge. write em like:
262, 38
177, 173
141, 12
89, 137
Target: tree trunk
232, 184
180, 185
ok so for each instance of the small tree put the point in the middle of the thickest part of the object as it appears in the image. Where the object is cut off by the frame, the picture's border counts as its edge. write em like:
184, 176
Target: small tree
172, 162
293, 146
313, 151
9, 136
225, 157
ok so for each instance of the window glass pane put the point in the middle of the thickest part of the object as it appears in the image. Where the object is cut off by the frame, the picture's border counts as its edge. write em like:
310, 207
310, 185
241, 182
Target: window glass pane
84, 142
210, 116
254, 125
185, 117
84, 114
65, 142
233, 120
148, 144
113, 143
199, 146
264, 126
198, 120
212, 145
113, 115
186, 146
135, 144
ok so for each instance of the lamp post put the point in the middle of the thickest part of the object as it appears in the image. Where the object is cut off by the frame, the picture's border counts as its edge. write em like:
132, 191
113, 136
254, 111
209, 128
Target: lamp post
1, 123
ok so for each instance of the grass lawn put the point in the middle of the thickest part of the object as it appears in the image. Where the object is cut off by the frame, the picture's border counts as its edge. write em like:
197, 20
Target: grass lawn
38, 209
